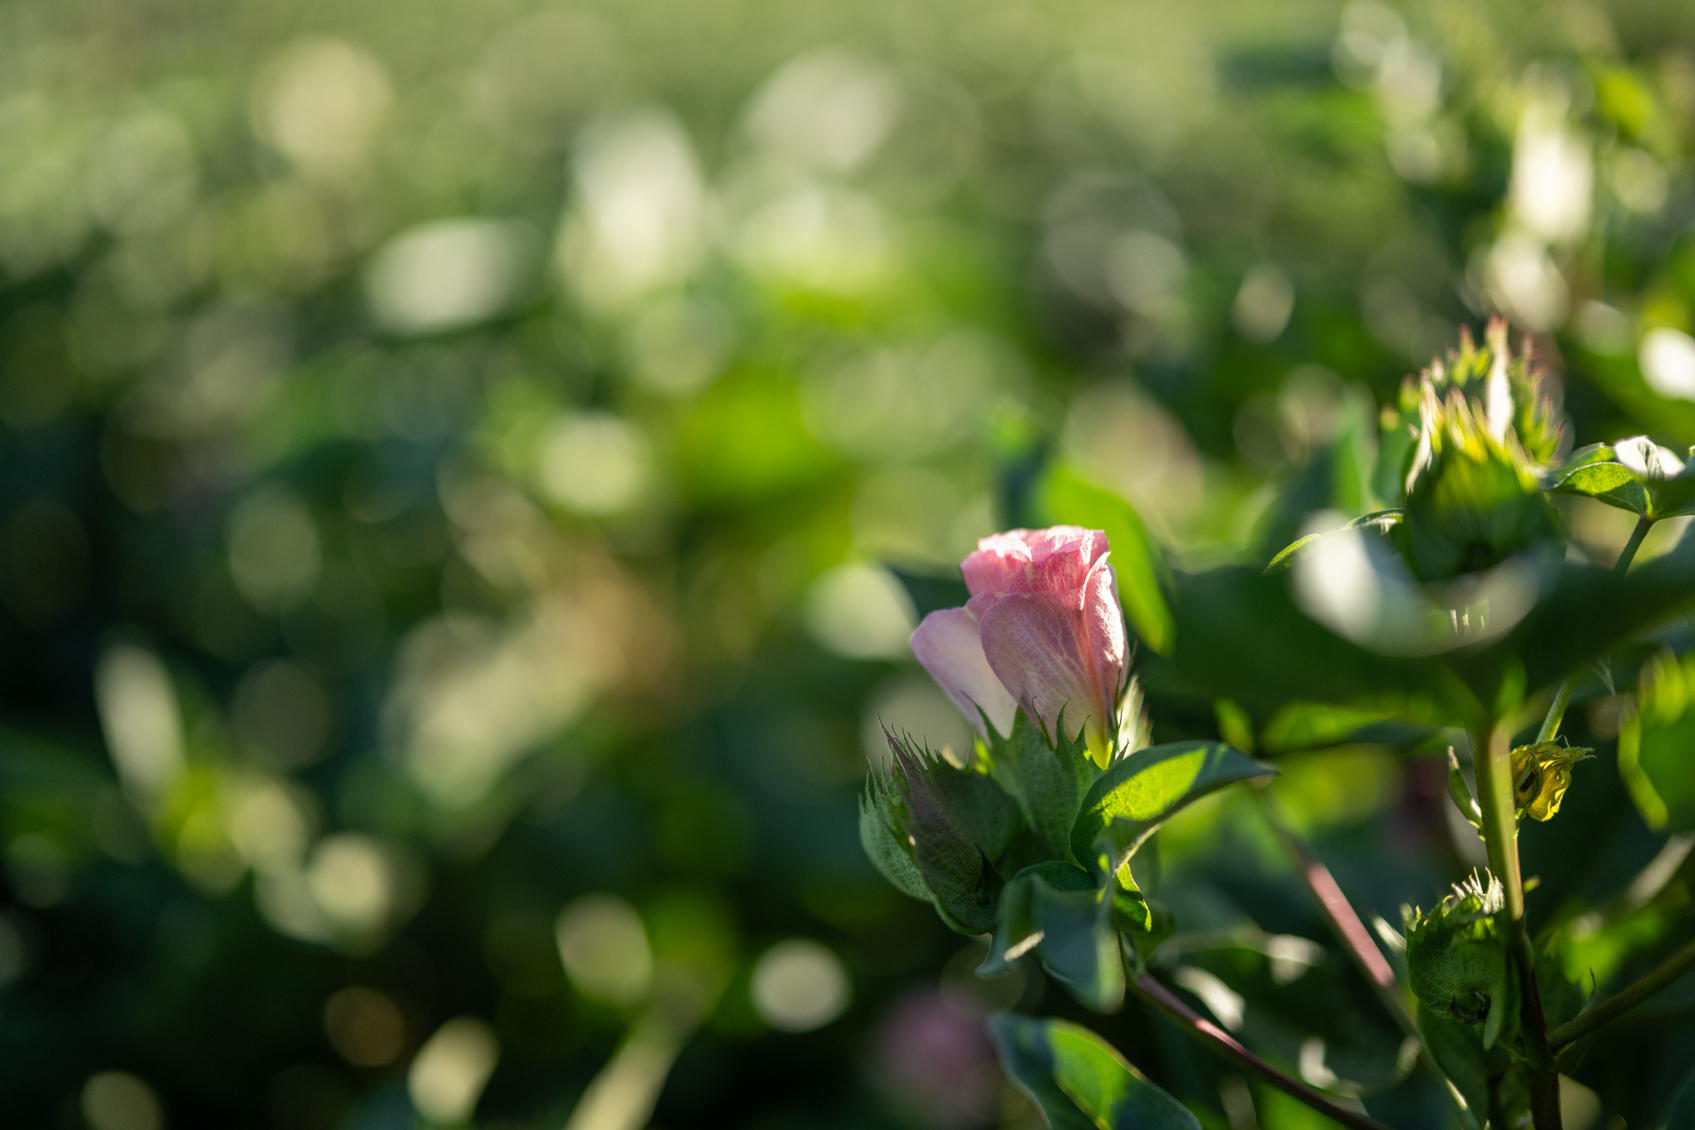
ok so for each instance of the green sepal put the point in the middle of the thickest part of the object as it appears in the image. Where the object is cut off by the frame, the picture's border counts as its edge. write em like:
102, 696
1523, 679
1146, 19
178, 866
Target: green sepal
1460, 790
952, 821
886, 846
1079, 1081
1496, 383
1046, 782
1140, 792
1062, 915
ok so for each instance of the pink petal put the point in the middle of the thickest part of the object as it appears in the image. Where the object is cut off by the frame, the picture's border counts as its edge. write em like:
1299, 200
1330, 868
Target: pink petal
1038, 644
1033, 560
950, 647
1108, 644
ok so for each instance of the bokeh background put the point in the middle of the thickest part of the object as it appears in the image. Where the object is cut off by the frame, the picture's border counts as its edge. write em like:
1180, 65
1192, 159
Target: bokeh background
451, 456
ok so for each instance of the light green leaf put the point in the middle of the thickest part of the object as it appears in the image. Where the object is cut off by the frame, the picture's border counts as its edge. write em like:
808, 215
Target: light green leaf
1634, 474
1140, 792
1079, 1081
1046, 782
1071, 500
1609, 482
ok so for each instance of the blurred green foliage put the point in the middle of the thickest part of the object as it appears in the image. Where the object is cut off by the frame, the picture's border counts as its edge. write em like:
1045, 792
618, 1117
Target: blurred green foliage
446, 454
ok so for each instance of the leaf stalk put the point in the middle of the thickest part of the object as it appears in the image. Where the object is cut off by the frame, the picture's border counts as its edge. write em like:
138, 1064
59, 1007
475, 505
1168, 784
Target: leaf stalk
1625, 999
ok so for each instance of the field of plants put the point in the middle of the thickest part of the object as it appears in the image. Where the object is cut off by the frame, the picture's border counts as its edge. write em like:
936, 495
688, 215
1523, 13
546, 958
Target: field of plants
471, 476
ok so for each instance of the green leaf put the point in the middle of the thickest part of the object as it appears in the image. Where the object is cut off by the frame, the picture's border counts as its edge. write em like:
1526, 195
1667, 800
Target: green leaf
1634, 474
1314, 725
1609, 482
1046, 782
1071, 500
1079, 1081
1286, 556
1458, 1051
1059, 912
1140, 792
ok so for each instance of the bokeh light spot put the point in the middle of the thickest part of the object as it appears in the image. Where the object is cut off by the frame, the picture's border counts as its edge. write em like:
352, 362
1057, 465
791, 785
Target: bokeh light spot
799, 985
365, 1026
605, 950
117, 1100
451, 1069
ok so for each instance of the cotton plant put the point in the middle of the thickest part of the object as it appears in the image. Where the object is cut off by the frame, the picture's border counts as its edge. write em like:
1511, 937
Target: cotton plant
1033, 838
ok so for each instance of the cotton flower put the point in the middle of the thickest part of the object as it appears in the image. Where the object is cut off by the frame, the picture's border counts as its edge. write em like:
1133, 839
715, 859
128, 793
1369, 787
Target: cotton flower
1042, 630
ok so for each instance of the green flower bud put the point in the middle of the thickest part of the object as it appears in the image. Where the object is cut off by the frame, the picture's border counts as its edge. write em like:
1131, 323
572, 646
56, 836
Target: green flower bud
1473, 496
935, 829
1458, 964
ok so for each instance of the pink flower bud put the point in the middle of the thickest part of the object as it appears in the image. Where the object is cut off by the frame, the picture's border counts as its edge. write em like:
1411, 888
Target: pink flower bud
1048, 626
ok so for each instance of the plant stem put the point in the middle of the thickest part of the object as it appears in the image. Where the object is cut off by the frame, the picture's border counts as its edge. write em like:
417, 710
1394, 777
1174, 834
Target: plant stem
1492, 755
1224, 1044
1562, 698
1625, 999
1350, 931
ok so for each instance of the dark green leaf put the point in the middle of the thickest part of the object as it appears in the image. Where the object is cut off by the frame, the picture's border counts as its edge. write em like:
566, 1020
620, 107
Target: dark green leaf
1236, 629
1135, 557
931, 592
1079, 1081
1673, 497
1457, 1049
1633, 474
1680, 1115
1138, 793
1059, 912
